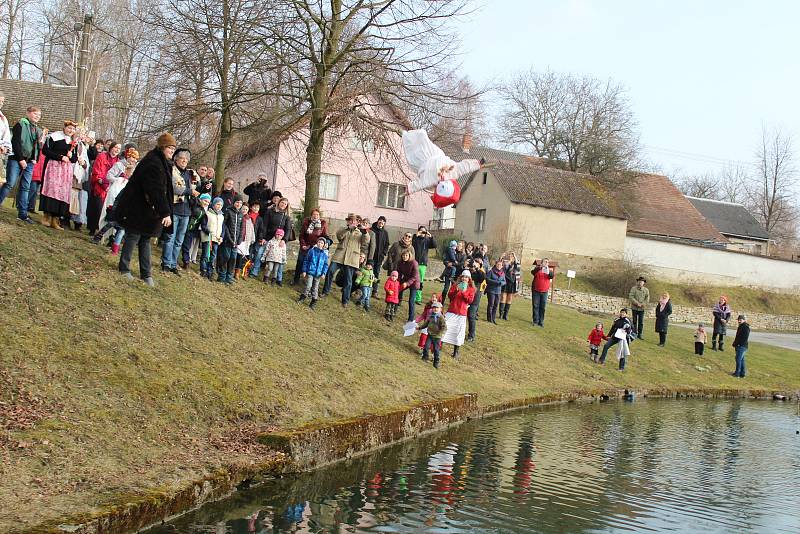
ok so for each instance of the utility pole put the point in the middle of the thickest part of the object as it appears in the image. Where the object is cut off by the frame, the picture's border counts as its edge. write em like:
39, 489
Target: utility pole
83, 60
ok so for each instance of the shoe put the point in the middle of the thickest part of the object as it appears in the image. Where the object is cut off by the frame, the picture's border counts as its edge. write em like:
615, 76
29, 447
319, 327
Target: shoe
128, 276
26, 220
184, 265
366, 309
302, 297
175, 271
471, 339
279, 283
114, 249
272, 281
96, 239
436, 364
149, 282
425, 358
344, 305
313, 304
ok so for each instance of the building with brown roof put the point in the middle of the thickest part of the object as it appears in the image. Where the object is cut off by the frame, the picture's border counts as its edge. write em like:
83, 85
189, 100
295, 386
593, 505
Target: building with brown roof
533, 210
57, 101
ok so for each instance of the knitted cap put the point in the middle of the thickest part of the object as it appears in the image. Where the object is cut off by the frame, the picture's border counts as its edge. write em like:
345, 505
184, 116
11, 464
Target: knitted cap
165, 140
742, 317
217, 200
466, 273
206, 196
394, 273
279, 232
322, 238
453, 244
238, 198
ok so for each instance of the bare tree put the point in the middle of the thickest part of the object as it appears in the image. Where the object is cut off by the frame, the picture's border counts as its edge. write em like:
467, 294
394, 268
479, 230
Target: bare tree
772, 197
580, 121
699, 186
344, 59
13, 11
734, 181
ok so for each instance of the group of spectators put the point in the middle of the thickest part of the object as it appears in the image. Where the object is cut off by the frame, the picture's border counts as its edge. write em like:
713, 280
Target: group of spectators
106, 187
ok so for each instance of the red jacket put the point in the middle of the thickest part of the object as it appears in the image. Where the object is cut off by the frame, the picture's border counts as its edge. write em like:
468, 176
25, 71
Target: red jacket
394, 287
596, 336
541, 281
460, 300
100, 168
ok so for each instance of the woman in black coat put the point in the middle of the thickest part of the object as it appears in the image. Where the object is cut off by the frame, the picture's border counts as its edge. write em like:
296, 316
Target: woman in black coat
144, 207
663, 311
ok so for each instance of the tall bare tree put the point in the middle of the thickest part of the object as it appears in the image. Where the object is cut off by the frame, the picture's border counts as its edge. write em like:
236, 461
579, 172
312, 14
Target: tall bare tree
775, 183
339, 54
584, 123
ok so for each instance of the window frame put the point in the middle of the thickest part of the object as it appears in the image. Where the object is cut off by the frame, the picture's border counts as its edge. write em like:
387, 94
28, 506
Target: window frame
480, 221
338, 182
400, 194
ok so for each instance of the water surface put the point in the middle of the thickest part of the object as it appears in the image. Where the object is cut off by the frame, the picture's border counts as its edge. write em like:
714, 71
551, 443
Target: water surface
648, 466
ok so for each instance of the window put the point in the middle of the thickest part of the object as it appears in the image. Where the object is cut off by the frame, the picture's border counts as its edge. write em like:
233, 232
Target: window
392, 195
328, 186
485, 174
363, 145
480, 220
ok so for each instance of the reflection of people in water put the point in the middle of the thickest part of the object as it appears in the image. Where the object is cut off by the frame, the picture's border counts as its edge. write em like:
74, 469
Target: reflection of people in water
524, 466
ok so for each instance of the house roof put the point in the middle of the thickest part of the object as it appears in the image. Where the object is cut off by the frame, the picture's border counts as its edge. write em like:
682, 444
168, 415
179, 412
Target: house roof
57, 101
658, 208
536, 185
730, 218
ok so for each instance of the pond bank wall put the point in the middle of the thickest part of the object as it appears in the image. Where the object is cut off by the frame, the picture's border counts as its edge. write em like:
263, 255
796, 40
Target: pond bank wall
315, 445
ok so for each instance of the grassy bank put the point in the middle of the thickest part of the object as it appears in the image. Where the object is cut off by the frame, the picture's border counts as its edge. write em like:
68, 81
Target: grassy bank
109, 388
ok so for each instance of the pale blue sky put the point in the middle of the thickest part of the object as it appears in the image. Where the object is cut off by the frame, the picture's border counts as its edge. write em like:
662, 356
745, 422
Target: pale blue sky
702, 76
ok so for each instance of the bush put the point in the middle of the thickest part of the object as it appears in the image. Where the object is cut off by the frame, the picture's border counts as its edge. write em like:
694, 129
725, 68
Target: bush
617, 277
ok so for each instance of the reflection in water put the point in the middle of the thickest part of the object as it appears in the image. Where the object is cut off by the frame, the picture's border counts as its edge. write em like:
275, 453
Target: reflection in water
679, 466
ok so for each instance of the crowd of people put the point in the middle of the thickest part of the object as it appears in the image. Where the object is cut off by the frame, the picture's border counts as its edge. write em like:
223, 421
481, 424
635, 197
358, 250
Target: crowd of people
114, 194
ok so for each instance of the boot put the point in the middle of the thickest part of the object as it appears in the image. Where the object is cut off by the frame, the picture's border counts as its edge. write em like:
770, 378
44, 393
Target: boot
455, 352
78, 226
302, 297
54, 224
505, 312
713, 344
720, 344
114, 249
435, 362
313, 303
279, 283
46, 219
502, 309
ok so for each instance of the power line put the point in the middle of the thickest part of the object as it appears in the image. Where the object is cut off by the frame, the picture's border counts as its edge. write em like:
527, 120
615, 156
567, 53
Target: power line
701, 158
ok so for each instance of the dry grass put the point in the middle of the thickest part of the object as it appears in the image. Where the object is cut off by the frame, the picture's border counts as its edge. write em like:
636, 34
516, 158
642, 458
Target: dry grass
139, 388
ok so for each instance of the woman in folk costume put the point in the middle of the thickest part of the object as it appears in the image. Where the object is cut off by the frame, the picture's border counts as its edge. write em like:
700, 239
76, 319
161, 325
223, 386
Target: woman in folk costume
432, 166
60, 156
461, 296
114, 176
79, 196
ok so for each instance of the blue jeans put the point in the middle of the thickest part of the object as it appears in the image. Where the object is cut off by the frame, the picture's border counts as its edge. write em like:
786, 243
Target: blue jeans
227, 263
256, 254
13, 173
412, 301
434, 345
329, 278
348, 280
539, 306
172, 246
366, 293
740, 368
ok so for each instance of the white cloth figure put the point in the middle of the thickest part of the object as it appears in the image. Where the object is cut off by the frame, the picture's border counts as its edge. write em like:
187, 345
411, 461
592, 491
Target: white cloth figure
624, 349
410, 328
427, 160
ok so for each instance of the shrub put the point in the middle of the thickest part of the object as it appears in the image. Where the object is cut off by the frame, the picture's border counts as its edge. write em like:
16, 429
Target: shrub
616, 277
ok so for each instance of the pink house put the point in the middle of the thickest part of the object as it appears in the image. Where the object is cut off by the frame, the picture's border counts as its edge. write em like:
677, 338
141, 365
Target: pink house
355, 178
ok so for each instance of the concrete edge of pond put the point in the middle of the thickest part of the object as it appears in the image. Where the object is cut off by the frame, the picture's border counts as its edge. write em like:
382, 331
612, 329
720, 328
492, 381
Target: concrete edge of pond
315, 445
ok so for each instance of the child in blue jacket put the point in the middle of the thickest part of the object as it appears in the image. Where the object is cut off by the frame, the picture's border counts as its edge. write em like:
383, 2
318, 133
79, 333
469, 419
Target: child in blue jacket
315, 266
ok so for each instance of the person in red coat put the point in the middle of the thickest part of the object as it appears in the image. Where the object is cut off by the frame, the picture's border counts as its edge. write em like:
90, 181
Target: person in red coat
98, 185
542, 274
311, 230
392, 289
596, 337
461, 296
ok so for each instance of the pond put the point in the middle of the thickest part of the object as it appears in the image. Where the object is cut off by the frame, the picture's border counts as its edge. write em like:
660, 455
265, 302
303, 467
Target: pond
653, 465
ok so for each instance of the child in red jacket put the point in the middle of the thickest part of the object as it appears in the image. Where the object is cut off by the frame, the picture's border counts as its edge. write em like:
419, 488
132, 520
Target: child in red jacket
392, 289
596, 337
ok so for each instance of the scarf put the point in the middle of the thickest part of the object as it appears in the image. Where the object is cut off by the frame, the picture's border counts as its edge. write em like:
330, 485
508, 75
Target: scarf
313, 224
662, 303
721, 308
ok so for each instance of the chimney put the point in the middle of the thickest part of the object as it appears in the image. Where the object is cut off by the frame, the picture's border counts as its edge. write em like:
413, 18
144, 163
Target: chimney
466, 141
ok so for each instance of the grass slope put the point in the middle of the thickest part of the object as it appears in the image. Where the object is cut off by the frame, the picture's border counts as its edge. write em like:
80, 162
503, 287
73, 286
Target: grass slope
109, 388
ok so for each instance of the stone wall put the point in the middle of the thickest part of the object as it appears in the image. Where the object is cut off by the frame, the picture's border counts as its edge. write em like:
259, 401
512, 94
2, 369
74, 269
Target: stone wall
680, 314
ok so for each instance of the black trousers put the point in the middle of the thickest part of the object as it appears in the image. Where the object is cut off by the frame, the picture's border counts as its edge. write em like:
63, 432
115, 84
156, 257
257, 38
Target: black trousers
135, 242
638, 322
662, 337
93, 208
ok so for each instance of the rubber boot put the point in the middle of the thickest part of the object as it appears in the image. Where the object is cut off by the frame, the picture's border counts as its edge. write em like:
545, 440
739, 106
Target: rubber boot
505, 312
114, 249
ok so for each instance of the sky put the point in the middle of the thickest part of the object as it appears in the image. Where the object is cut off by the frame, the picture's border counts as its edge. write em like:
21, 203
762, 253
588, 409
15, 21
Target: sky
702, 76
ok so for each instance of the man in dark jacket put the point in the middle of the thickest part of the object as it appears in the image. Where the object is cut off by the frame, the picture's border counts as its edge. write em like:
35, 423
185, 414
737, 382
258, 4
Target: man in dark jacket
381, 239
259, 191
740, 344
622, 323
422, 242
25, 136
144, 207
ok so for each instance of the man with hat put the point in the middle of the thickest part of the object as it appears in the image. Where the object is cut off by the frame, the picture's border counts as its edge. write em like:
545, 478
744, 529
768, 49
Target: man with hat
640, 298
740, 344
144, 207
347, 256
